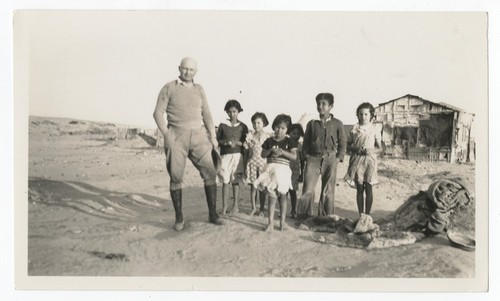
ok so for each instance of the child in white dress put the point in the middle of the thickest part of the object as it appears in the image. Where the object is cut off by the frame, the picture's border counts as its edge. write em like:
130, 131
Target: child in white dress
276, 178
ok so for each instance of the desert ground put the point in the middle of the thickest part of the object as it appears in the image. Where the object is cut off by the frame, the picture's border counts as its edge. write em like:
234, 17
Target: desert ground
100, 206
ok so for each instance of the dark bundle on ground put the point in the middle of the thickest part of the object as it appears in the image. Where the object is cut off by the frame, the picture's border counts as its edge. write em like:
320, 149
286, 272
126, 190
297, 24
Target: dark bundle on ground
464, 218
446, 205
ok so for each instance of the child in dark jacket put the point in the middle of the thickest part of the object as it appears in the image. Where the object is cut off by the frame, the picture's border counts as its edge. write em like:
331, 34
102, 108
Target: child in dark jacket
324, 144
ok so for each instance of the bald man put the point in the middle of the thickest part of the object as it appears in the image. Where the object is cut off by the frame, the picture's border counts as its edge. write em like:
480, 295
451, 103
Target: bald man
188, 132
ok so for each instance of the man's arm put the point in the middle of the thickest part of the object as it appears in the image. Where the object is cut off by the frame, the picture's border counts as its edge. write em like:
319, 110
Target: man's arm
160, 109
207, 118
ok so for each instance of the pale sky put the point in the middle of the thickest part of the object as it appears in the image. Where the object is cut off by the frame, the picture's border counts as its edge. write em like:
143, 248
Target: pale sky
110, 66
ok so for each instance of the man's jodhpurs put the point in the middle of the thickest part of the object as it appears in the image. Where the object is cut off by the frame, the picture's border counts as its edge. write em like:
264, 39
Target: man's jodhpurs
182, 143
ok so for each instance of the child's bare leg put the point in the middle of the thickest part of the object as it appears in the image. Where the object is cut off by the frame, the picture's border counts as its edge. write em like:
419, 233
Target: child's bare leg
236, 194
282, 199
270, 209
369, 197
293, 200
225, 192
253, 196
360, 189
262, 200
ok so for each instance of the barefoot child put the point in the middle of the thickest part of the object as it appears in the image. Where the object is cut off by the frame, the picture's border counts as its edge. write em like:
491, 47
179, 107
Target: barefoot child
297, 166
231, 136
364, 143
256, 164
276, 178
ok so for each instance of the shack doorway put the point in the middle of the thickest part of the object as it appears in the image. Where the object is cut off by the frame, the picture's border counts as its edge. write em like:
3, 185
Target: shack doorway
406, 138
436, 130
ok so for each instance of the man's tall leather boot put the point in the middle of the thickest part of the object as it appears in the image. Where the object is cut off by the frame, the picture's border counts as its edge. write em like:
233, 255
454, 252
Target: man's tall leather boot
211, 194
177, 202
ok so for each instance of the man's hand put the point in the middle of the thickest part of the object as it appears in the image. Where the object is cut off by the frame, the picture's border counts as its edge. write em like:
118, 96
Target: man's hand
215, 143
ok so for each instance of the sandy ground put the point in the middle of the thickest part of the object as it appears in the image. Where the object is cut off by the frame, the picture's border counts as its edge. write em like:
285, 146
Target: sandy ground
99, 206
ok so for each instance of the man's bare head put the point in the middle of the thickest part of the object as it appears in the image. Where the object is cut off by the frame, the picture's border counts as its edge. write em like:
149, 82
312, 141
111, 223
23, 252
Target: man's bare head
188, 69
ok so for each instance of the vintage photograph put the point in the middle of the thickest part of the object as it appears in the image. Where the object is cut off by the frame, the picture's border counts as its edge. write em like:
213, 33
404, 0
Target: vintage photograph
253, 145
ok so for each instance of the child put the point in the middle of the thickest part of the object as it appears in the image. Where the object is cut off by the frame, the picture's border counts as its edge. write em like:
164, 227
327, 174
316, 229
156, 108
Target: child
324, 144
231, 136
364, 142
255, 163
276, 178
296, 132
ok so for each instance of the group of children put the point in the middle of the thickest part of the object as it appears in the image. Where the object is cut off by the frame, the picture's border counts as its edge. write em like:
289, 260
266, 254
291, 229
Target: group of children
273, 165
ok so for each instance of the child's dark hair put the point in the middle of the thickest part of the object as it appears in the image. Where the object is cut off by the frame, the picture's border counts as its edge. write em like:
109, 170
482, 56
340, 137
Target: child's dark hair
326, 96
366, 105
233, 103
262, 116
296, 126
282, 118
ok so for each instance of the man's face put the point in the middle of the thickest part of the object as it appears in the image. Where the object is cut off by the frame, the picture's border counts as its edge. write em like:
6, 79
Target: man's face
323, 107
187, 70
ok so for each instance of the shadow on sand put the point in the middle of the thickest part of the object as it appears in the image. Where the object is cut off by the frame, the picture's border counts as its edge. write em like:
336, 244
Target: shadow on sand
94, 201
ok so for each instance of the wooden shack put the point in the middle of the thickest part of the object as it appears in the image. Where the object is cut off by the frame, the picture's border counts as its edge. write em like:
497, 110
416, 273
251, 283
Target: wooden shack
419, 129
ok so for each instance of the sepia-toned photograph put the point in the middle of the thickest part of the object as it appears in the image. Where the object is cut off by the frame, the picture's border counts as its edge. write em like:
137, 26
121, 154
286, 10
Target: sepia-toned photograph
307, 149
